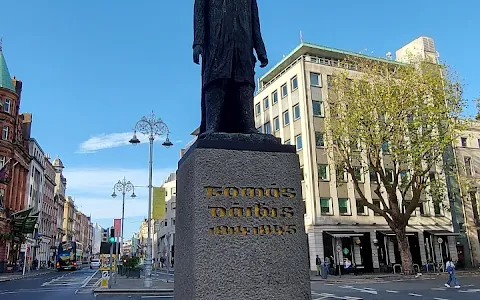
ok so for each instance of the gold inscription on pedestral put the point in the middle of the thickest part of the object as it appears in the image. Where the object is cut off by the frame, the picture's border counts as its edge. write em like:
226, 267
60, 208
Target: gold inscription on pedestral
250, 192
258, 210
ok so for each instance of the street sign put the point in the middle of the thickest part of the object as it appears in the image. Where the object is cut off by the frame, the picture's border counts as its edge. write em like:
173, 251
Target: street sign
23, 248
339, 248
105, 274
440, 240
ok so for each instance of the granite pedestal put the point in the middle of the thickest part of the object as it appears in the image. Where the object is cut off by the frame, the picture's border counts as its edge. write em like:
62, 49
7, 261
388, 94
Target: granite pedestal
239, 225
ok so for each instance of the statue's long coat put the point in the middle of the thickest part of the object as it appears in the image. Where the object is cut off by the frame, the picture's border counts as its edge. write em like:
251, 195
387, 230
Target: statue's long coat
228, 31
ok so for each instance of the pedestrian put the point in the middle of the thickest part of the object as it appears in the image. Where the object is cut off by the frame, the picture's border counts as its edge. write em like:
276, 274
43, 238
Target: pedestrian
450, 267
318, 262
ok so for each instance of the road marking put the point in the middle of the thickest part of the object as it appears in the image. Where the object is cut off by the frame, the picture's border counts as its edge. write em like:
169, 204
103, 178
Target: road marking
414, 295
439, 289
440, 299
145, 297
389, 291
471, 291
88, 279
359, 289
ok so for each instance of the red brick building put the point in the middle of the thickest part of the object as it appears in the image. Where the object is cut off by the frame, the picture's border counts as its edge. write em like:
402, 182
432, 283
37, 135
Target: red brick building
14, 157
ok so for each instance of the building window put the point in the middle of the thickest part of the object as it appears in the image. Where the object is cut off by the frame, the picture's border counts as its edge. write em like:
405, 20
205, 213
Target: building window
268, 128
276, 124
259, 129
377, 204
173, 222
358, 171
275, 97
344, 206
322, 172
389, 175
421, 205
265, 103
436, 208
315, 79
361, 209
326, 206
319, 142
478, 143
2, 161
286, 118
340, 175
284, 90
464, 141
298, 142
287, 142
385, 147
258, 109
296, 112
373, 176
468, 165
473, 198
302, 174
294, 83
5, 133
7, 105
318, 108
329, 81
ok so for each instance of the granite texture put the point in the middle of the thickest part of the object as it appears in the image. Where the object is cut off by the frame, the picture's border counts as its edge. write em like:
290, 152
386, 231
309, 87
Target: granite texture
246, 262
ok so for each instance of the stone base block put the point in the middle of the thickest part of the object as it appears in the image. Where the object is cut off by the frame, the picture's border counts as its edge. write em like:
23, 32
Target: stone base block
240, 231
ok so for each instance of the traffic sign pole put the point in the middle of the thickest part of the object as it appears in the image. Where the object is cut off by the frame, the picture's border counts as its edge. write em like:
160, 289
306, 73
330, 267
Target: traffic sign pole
339, 249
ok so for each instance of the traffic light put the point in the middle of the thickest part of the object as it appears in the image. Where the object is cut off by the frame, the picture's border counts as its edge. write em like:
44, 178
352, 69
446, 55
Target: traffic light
105, 235
112, 235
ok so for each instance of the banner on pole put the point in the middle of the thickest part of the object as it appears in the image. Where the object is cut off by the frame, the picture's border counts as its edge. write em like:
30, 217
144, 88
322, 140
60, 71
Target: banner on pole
158, 203
117, 225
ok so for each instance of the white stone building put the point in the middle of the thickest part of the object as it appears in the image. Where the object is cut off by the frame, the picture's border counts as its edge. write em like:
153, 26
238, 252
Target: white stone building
291, 103
97, 238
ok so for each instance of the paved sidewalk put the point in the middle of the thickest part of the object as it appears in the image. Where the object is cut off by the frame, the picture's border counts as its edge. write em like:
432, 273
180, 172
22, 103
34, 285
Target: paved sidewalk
18, 275
135, 285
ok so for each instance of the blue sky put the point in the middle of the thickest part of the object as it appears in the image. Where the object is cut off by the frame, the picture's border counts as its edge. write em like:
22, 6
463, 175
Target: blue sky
91, 69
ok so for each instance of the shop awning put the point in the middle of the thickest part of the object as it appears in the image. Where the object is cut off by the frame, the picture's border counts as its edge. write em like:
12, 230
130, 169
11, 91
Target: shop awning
341, 234
24, 222
442, 233
391, 233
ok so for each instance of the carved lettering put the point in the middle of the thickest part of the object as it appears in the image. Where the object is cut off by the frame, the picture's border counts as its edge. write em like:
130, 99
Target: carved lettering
256, 230
251, 192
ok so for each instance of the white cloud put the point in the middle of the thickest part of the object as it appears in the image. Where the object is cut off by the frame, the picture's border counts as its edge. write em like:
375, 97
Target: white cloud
112, 140
91, 189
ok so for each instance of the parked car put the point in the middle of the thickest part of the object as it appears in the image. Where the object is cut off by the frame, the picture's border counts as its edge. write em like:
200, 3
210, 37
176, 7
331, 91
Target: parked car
95, 263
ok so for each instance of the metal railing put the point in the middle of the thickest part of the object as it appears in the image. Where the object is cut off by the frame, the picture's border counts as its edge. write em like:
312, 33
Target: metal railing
313, 59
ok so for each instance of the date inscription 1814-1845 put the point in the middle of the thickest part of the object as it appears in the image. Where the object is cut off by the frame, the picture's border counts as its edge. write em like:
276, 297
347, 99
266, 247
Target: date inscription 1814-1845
225, 34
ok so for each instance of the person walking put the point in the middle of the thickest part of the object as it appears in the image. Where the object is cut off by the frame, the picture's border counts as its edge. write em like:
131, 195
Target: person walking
450, 267
318, 262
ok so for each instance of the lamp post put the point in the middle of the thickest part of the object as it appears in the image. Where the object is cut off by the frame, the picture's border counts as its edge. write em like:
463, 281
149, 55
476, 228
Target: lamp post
123, 186
150, 127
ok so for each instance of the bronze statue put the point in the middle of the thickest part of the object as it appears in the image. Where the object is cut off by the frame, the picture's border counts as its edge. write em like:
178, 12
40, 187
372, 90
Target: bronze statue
225, 34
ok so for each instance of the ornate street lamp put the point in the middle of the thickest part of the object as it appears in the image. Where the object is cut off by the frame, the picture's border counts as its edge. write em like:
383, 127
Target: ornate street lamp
150, 127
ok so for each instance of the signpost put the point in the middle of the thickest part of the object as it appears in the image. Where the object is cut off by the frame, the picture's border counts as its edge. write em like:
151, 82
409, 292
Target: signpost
339, 250
440, 241
105, 278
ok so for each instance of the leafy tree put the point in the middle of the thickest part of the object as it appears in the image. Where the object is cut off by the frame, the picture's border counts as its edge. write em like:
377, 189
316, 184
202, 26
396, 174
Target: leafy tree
393, 121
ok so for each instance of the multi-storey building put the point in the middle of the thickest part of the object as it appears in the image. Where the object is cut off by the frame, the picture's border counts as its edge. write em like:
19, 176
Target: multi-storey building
69, 218
135, 244
291, 103
36, 176
59, 198
14, 158
127, 248
97, 238
48, 216
165, 233
34, 196
467, 154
